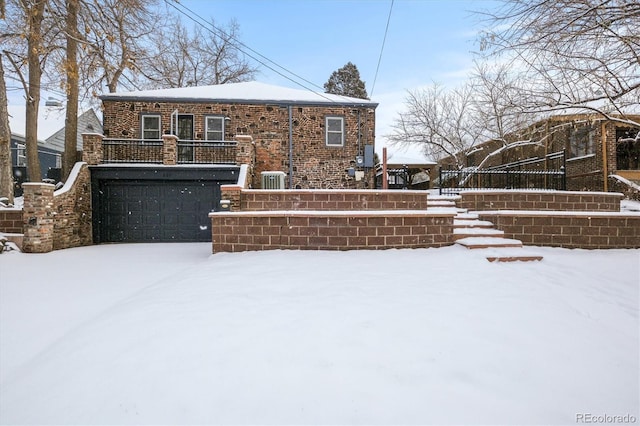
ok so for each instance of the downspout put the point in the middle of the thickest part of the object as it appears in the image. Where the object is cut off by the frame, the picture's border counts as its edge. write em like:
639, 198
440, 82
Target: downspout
290, 147
603, 137
359, 132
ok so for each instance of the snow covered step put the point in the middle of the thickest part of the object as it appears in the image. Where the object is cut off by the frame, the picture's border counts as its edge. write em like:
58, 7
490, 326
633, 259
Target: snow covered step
488, 242
471, 223
441, 203
466, 216
459, 233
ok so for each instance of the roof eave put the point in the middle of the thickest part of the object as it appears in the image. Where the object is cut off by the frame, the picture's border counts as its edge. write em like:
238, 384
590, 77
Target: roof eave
279, 102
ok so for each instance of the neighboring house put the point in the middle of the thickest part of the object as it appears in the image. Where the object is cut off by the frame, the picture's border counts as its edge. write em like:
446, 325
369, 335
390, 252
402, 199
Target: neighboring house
88, 122
49, 151
595, 148
315, 138
50, 161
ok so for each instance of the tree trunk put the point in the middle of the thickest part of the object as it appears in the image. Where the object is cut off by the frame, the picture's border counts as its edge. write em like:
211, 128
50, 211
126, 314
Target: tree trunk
6, 173
71, 120
35, 17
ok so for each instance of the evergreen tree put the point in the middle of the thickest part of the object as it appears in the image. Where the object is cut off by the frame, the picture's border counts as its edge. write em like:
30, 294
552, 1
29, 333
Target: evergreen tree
346, 81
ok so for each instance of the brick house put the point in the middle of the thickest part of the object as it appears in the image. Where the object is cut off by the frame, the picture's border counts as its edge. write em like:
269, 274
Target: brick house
595, 149
159, 166
318, 140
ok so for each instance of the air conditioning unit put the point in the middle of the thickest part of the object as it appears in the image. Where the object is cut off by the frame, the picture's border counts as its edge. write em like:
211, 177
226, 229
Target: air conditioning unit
272, 180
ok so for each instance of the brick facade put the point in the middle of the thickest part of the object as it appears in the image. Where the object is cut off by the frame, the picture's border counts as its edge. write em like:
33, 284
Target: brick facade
314, 164
586, 230
540, 200
326, 230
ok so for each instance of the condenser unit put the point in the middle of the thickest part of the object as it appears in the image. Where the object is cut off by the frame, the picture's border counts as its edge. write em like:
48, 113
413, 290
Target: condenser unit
272, 180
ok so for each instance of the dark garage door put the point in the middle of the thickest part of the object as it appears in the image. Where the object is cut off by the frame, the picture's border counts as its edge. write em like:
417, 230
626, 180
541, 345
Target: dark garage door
158, 211
155, 205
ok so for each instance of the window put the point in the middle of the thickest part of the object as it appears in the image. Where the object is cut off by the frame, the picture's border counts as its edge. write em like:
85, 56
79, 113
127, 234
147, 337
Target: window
334, 131
21, 155
627, 149
582, 142
214, 128
150, 126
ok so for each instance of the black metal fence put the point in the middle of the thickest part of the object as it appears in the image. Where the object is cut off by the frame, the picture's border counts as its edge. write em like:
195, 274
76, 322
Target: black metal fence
132, 151
547, 173
151, 151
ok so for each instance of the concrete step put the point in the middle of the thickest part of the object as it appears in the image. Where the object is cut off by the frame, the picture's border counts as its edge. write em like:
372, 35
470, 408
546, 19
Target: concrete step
471, 223
488, 242
466, 216
440, 203
459, 233
514, 258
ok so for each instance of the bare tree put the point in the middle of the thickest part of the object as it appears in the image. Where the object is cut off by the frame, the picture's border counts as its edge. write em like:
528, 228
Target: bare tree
28, 20
6, 173
571, 54
440, 122
179, 57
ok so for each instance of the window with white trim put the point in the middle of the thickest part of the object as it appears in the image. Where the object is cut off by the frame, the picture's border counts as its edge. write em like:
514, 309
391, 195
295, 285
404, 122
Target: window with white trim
334, 131
21, 155
150, 126
214, 128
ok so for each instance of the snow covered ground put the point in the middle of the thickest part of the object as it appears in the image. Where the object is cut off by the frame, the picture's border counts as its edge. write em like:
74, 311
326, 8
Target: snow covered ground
170, 334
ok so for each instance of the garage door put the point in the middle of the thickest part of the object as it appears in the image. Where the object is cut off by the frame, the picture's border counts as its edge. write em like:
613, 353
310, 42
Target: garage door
156, 203
157, 210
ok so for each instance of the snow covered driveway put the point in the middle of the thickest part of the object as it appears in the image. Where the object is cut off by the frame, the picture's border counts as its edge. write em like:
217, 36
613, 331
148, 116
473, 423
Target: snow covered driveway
169, 334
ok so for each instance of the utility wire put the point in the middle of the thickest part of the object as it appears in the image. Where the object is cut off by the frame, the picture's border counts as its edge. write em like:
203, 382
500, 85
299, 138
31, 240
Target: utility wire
217, 31
384, 39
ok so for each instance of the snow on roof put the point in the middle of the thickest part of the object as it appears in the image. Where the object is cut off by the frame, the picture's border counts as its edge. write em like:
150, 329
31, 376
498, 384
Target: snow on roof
248, 92
407, 160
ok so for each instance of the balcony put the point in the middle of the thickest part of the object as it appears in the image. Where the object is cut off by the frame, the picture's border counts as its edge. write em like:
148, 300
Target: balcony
168, 151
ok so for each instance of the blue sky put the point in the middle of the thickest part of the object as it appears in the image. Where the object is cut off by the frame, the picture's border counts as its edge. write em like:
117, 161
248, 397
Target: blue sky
427, 41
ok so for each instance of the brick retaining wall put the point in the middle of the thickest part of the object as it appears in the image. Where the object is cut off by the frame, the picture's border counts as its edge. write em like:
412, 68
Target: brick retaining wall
588, 230
11, 221
540, 200
258, 200
329, 230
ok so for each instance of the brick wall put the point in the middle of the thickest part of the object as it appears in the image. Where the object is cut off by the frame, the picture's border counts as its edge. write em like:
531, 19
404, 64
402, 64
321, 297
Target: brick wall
60, 219
11, 221
333, 200
72, 207
338, 230
587, 230
540, 200
314, 164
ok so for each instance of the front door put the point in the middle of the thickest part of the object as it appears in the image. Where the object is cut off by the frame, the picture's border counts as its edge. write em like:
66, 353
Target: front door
184, 132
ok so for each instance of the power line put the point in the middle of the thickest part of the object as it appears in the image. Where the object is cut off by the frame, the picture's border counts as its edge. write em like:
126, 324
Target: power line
384, 39
217, 31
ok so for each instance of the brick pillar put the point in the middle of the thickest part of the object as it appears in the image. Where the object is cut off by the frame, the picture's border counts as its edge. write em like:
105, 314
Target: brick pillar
92, 153
37, 217
233, 194
169, 150
246, 150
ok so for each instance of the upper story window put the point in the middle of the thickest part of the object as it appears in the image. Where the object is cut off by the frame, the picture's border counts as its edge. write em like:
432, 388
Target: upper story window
334, 131
214, 128
150, 126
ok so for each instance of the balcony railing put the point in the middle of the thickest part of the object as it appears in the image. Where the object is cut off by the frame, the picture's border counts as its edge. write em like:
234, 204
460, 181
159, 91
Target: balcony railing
132, 151
152, 151
206, 152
